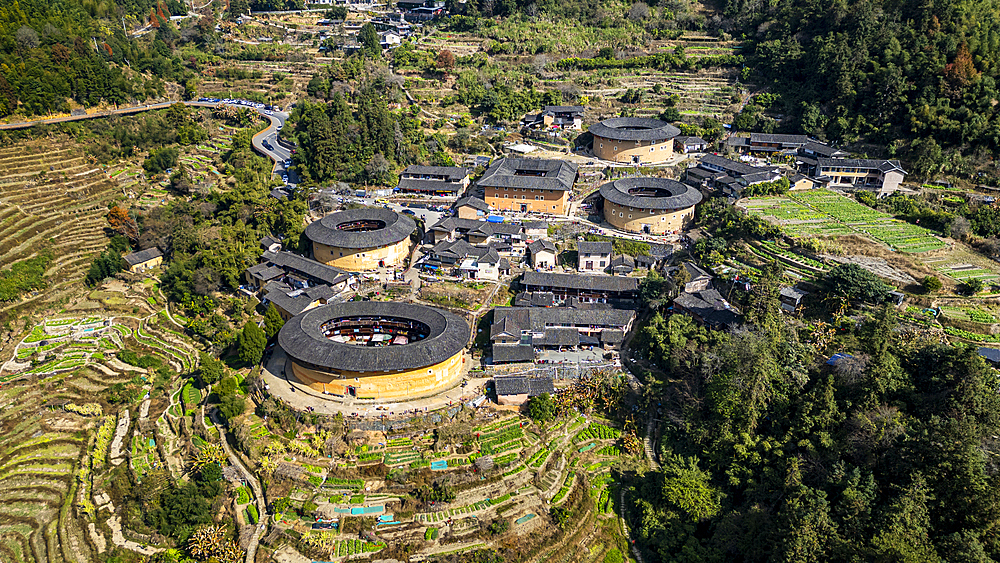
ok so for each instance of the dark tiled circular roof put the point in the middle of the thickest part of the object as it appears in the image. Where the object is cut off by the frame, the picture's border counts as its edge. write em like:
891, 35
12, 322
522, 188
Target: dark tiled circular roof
676, 195
303, 340
397, 227
634, 129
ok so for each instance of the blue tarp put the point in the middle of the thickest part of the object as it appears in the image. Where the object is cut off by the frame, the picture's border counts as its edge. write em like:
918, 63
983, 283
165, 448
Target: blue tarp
495, 219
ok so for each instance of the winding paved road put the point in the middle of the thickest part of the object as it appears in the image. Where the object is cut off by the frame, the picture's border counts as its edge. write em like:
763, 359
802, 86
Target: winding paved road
264, 142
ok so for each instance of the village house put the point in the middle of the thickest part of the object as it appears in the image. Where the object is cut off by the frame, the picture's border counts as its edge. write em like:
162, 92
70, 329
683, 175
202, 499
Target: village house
543, 253
529, 185
686, 145
616, 290
143, 260
471, 208
555, 117
593, 256
433, 180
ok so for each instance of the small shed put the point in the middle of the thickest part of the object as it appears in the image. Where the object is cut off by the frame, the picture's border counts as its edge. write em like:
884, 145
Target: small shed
144, 259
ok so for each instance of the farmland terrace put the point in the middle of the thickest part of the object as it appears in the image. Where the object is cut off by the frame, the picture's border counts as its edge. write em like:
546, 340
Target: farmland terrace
53, 196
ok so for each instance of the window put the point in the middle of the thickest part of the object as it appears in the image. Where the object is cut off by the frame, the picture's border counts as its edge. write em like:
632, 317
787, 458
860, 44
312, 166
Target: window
621, 214
629, 215
616, 148
553, 207
602, 264
523, 197
651, 149
505, 196
602, 145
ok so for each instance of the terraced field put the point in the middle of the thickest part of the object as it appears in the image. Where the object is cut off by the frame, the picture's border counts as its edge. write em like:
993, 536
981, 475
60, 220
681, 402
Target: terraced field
50, 446
52, 196
823, 212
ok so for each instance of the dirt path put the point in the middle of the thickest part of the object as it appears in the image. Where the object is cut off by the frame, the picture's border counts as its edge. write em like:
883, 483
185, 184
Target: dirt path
254, 484
118, 539
120, 431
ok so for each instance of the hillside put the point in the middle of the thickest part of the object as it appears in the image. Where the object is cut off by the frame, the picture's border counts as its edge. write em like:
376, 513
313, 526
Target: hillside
909, 75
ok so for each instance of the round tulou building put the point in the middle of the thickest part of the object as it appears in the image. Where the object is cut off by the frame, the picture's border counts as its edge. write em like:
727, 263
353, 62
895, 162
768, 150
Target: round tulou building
634, 140
362, 239
649, 205
376, 350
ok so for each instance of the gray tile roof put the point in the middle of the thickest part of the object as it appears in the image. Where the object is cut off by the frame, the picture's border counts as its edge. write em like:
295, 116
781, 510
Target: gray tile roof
634, 129
540, 245
623, 263
473, 202
556, 175
612, 336
456, 249
294, 302
565, 109
652, 193
503, 353
690, 141
731, 166
709, 306
418, 185
535, 299
451, 224
594, 247
797, 140
695, 272
522, 385
578, 281
396, 227
558, 337
540, 319
793, 293
293, 263
870, 164
453, 173
265, 272
303, 340
142, 256
821, 149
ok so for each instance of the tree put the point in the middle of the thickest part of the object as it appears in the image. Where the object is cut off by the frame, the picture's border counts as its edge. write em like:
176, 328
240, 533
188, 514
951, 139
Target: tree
689, 488
931, 284
210, 370
370, 45
541, 408
251, 343
120, 222
272, 321
560, 516
972, 286
445, 60
232, 406
854, 283
27, 39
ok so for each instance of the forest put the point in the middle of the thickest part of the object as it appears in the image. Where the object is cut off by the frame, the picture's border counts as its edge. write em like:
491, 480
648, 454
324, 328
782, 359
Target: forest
774, 451
60, 50
918, 77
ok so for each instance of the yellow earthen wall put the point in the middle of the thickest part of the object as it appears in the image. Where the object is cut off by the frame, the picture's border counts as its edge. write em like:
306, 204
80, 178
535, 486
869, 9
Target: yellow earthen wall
385, 385
553, 201
362, 259
632, 219
623, 151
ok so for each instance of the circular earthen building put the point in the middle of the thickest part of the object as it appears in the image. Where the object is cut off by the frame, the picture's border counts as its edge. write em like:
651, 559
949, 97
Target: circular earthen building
649, 205
361, 239
634, 140
376, 350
